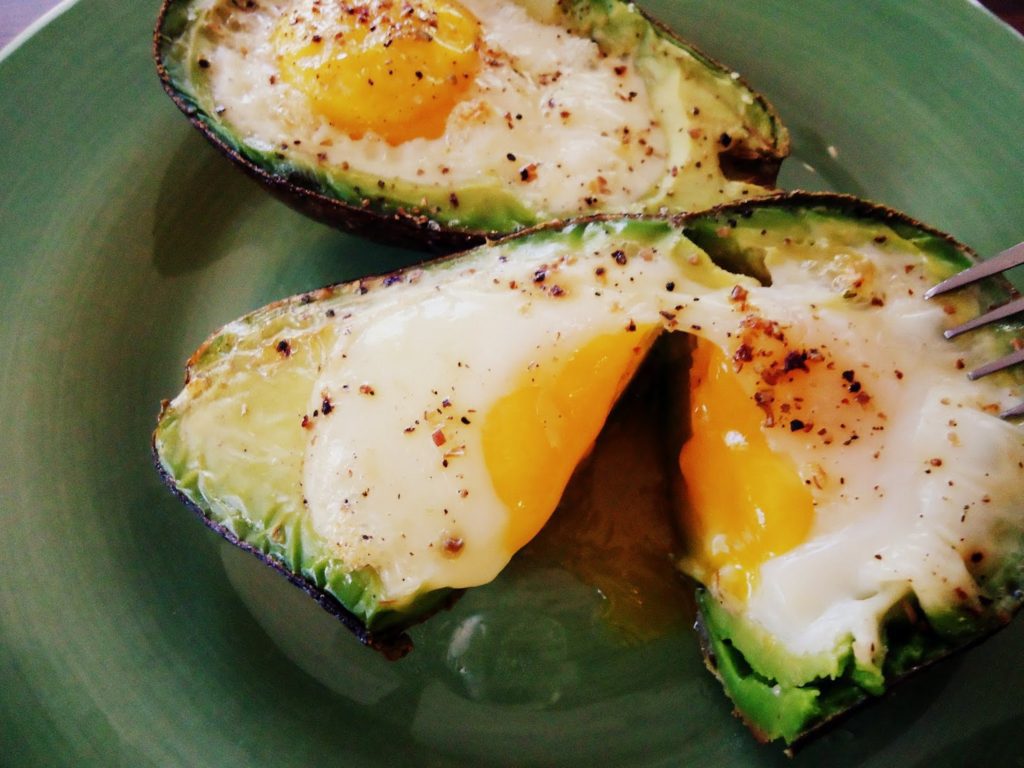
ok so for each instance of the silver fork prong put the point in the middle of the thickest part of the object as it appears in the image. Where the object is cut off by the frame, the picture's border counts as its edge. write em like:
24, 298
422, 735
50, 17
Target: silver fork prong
1013, 413
1008, 259
997, 365
1012, 308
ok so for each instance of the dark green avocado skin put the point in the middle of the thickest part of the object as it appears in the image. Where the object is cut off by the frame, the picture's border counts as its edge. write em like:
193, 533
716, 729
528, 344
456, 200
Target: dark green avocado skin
375, 217
392, 644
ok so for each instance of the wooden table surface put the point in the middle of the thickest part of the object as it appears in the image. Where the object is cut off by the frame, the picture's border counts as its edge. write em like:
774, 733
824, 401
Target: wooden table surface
15, 15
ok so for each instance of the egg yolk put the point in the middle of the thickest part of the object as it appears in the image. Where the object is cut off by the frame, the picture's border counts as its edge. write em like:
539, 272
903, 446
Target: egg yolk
745, 503
534, 437
396, 69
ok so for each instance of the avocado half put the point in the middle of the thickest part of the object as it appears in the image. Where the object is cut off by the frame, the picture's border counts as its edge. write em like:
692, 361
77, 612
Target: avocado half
724, 140
231, 444
787, 696
234, 443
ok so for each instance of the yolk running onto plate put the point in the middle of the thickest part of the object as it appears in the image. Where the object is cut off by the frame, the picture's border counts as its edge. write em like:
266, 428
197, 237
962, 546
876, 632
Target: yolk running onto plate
534, 437
396, 69
745, 502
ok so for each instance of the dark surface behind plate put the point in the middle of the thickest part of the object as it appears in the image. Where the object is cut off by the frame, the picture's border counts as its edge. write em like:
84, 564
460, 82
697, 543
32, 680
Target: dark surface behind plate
130, 636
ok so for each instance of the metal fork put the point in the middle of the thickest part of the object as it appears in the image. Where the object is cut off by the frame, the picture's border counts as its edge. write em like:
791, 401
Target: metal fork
1008, 259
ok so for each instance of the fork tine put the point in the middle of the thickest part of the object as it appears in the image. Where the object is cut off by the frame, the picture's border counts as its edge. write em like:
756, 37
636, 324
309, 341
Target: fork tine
1012, 413
1008, 259
997, 365
1012, 308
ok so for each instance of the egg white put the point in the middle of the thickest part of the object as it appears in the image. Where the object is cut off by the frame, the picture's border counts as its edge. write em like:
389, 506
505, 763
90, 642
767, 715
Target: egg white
380, 487
908, 487
589, 124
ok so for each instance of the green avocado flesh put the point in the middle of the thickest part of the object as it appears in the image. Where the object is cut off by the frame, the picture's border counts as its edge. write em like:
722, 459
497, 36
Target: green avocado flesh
721, 140
237, 443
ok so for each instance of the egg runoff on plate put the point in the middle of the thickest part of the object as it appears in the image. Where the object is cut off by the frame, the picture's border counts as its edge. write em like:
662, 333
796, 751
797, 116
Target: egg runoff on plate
482, 115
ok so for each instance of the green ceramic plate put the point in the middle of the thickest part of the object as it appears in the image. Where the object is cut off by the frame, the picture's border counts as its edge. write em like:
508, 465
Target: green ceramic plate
130, 635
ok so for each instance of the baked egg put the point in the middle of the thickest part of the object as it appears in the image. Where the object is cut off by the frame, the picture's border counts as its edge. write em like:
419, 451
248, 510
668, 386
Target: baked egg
851, 467
478, 115
400, 437
490, 388
851, 501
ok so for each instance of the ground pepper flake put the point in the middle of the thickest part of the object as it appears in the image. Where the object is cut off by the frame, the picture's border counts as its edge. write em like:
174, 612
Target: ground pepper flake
453, 545
764, 398
438, 437
795, 361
